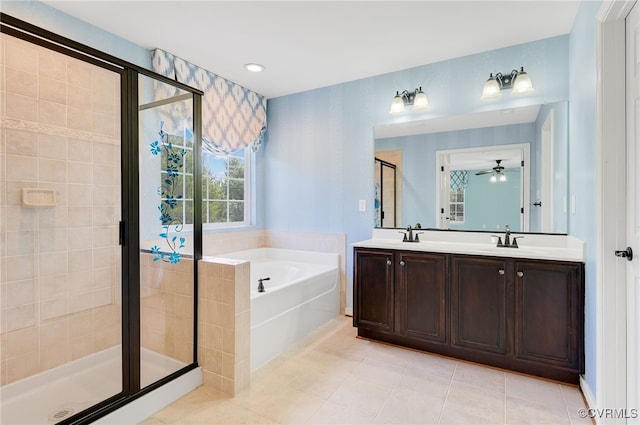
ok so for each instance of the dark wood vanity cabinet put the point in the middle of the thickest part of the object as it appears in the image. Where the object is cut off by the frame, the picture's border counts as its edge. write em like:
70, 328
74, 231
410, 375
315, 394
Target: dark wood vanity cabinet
421, 296
523, 315
549, 314
401, 293
373, 299
479, 304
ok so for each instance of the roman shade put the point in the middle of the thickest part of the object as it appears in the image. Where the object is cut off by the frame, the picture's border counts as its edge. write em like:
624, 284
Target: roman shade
233, 117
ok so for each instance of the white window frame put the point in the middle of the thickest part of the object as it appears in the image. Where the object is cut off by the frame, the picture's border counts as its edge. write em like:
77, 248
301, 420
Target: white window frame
249, 182
456, 202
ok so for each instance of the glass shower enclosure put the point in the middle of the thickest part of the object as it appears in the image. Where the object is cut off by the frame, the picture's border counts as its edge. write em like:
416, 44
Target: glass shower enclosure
97, 224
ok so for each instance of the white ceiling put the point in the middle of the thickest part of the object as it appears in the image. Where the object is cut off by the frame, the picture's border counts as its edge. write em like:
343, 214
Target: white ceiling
310, 44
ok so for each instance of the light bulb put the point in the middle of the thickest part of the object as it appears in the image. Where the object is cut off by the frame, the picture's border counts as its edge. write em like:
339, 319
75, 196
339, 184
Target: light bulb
491, 89
397, 104
420, 101
522, 84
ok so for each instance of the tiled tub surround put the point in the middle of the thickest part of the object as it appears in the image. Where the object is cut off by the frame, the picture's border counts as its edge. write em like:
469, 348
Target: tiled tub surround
301, 294
60, 265
223, 324
223, 301
334, 243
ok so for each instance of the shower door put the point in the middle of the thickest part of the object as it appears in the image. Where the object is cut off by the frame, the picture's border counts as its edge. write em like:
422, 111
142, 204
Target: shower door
60, 208
97, 229
167, 261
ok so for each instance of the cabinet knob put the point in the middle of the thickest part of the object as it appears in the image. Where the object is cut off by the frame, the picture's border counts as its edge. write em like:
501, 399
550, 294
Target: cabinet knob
388, 262
520, 274
501, 272
402, 263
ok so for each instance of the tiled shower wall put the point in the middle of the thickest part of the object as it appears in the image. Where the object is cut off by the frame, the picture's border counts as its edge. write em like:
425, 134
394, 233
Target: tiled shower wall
166, 307
60, 265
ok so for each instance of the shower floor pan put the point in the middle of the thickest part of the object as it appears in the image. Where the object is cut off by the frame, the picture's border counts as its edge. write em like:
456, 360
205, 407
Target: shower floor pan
54, 395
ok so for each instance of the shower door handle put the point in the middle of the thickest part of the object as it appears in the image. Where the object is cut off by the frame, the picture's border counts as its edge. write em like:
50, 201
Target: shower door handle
122, 240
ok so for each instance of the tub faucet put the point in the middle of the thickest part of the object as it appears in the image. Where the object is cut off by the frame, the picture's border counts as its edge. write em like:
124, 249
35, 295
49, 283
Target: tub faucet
260, 285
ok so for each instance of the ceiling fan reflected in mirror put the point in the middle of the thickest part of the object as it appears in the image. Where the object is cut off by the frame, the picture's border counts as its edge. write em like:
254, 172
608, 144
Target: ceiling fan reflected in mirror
497, 172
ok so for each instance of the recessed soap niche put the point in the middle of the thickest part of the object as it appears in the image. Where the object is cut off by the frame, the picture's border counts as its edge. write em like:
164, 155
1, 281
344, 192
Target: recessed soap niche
38, 197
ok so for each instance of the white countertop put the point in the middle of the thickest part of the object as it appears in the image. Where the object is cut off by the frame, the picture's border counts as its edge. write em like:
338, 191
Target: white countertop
533, 246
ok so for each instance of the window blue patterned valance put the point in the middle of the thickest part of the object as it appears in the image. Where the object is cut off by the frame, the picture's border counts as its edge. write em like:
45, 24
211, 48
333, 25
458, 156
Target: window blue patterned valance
233, 117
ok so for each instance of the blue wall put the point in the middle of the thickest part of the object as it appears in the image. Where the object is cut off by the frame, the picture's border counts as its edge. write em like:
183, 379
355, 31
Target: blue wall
318, 156
582, 163
491, 206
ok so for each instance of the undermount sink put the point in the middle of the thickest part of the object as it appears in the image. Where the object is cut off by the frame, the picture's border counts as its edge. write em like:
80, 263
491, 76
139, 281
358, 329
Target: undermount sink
475, 247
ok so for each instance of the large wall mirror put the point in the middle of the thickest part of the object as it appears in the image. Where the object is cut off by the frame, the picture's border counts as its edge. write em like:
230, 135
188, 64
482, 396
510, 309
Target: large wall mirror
480, 171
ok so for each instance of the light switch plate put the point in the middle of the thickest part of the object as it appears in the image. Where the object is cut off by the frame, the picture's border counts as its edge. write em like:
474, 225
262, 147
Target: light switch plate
362, 205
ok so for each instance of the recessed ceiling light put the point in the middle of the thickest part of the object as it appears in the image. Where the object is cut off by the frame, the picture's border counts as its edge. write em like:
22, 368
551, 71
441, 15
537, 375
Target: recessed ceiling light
254, 67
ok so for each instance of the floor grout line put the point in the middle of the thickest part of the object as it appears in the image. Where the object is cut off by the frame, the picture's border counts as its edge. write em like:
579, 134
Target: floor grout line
446, 396
504, 412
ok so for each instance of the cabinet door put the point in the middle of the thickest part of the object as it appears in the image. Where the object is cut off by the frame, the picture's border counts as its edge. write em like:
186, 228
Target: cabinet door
373, 289
421, 296
549, 313
479, 304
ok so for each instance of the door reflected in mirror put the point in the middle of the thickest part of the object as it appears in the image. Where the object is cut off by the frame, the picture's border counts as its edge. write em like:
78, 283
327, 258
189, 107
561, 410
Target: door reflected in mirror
424, 196
484, 188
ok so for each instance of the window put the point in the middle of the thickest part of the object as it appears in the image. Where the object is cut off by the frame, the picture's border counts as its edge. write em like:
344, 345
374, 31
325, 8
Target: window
177, 179
458, 181
225, 188
456, 206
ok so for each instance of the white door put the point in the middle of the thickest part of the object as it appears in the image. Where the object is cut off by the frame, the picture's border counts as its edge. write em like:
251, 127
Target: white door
546, 177
633, 209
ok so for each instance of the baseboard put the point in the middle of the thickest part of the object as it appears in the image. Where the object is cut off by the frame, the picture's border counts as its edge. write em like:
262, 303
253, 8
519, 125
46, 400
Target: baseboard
588, 396
348, 311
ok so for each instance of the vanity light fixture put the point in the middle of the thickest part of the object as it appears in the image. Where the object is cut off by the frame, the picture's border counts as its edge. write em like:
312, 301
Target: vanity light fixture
416, 98
518, 81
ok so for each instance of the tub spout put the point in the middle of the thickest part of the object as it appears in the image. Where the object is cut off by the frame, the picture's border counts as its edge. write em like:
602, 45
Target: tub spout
260, 285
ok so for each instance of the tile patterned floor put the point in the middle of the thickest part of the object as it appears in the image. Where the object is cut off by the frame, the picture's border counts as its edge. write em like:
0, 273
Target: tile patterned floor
331, 377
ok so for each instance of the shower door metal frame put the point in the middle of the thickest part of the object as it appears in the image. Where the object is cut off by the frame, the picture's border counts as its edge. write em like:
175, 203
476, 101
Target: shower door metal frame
393, 167
129, 226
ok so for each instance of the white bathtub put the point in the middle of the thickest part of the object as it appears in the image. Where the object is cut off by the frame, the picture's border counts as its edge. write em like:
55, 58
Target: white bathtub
302, 293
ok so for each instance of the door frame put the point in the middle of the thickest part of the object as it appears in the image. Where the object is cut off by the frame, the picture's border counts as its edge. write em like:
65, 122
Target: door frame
547, 143
443, 168
610, 303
